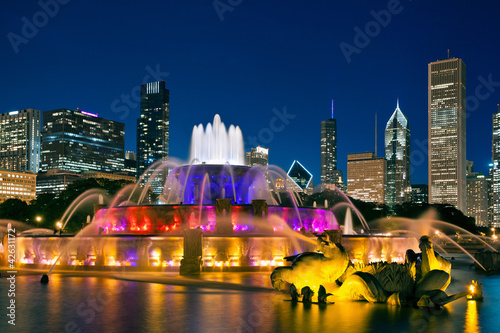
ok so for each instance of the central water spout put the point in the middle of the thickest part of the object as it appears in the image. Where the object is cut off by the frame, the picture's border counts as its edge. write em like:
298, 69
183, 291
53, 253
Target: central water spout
216, 145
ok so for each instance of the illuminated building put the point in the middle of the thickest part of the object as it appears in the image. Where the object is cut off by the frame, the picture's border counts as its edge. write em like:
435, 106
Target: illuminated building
495, 169
397, 154
152, 125
329, 173
301, 178
75, 140
257, 156
447, 133
111, 176
17, 185
20, 140
130, 165
477, 198
420, 193
366, 177
55, 181
279, 185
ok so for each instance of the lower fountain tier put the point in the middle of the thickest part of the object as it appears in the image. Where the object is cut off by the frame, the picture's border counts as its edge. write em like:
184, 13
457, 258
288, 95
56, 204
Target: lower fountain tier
219, 252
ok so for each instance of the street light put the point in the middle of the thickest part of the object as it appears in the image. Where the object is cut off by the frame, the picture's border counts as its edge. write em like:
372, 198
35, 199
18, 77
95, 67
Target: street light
59, 225
38, 219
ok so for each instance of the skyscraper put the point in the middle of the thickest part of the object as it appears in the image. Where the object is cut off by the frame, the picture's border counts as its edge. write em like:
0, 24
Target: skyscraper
477, 198
397, 154
329, 174
366, 177
78, 141
20, 140
495, 171
447, 133
302, 179
152, 125
257, 156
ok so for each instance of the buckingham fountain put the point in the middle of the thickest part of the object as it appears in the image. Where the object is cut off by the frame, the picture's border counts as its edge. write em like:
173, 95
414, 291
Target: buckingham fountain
211, 214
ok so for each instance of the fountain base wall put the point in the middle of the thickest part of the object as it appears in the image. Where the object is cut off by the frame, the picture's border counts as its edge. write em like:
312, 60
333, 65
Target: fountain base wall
218, 253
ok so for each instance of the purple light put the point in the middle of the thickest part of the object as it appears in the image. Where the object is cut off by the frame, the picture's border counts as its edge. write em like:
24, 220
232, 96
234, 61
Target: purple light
89, 114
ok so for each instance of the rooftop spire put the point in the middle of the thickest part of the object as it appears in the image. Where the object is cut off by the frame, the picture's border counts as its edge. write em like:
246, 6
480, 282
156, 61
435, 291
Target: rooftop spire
332, 108
397, 103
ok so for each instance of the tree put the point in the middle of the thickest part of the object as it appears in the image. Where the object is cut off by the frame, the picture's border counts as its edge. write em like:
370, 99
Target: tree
52, 208
14, 209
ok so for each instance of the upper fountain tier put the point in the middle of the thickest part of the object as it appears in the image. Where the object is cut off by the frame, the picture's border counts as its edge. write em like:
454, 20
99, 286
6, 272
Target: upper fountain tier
215, 145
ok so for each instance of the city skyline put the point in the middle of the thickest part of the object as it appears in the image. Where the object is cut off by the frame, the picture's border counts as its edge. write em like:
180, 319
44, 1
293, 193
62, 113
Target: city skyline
224, 69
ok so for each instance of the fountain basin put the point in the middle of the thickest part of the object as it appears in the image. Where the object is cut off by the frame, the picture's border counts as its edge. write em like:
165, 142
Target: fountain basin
220, 253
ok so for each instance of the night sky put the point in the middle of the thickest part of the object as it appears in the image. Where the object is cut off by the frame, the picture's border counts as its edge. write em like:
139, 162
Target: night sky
253, 57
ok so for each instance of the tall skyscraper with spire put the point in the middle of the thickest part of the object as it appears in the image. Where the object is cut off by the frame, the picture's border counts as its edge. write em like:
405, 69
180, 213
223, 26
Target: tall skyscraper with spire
496, 168
153, 125
447, 133
330, 176
397, 154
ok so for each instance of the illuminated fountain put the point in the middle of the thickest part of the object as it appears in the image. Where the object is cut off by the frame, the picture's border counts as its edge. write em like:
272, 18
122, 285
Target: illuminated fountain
213, 212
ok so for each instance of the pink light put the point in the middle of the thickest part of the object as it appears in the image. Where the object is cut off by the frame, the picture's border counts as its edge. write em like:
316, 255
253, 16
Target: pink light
89, 114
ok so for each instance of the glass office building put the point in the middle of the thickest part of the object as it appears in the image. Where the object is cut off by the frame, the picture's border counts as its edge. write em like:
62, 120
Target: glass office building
20, 140
152, 125
76, 140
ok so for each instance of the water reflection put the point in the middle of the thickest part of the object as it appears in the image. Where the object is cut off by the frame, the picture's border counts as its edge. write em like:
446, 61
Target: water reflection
108, 305
471, 318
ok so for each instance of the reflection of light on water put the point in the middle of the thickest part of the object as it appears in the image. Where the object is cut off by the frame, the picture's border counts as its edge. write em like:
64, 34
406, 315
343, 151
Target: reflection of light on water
471, 318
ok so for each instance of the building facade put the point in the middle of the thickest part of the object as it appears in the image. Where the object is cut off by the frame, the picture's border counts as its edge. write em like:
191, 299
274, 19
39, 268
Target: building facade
420, 193
111, 176
447, 133
20, 140
17, 185
153, 125
55, 181
77, 141
495, 169
477, 198
130, 164
397, 154
330, 176
257, 156
301, 178
366, 177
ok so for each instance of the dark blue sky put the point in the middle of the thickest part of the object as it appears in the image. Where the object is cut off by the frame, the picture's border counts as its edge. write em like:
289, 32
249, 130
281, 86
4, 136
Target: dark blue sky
263, 55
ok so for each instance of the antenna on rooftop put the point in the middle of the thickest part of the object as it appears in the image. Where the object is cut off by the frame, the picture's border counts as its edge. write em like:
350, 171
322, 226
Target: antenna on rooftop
376, 134
332, 108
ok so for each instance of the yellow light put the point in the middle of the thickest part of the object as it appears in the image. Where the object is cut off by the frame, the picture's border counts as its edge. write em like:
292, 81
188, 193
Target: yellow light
472, 288
38, 219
